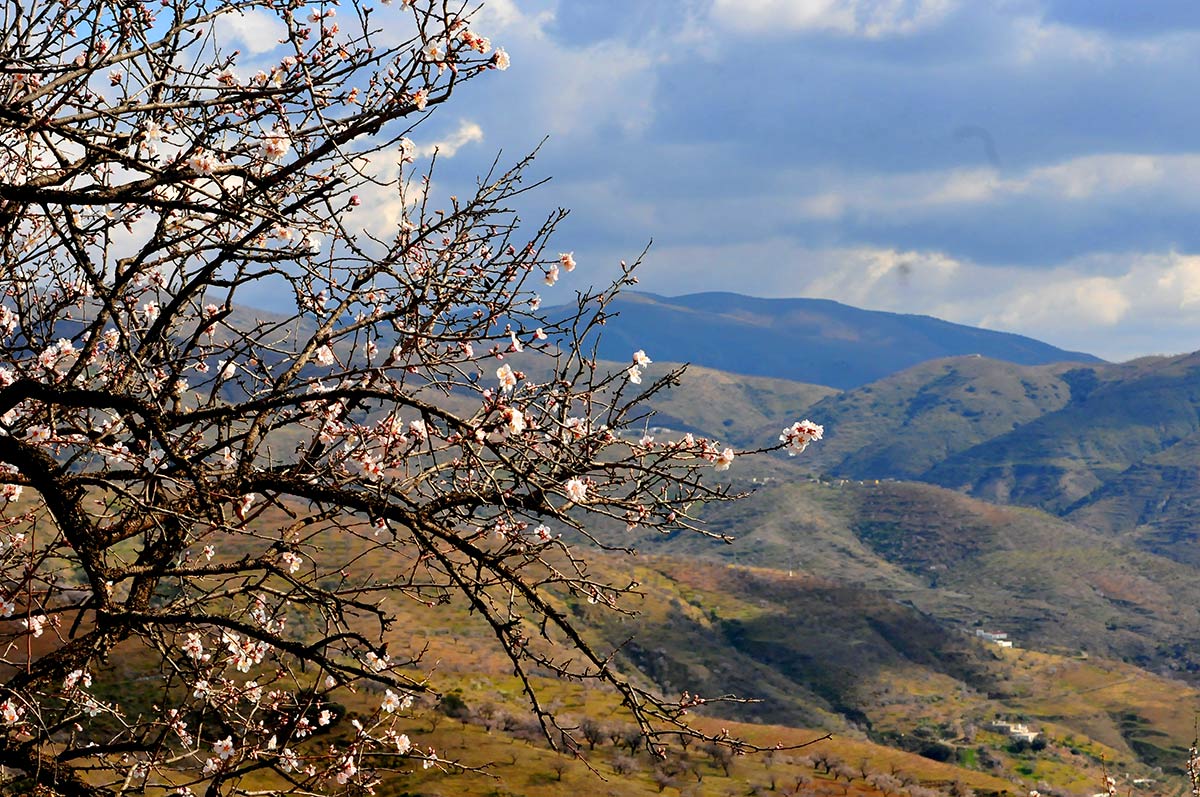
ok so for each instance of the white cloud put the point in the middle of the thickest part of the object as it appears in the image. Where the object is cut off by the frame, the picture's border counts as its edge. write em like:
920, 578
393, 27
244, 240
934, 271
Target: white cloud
866, 276
1180, 279
880, 278
1059, 303
506, 17
566, 88
255, 31
467, 132
609, 81
871, 19
1115, 305
1083, 179
1035, 40
385, 200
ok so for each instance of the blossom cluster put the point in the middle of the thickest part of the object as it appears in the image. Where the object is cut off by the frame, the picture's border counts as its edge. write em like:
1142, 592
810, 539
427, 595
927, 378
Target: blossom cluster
243, 497
796, 437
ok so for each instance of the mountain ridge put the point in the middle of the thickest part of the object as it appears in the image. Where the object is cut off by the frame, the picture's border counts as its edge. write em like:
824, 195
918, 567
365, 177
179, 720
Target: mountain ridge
817, 341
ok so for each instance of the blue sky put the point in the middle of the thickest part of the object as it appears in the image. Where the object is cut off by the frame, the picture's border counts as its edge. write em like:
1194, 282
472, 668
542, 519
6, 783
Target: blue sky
1025, 165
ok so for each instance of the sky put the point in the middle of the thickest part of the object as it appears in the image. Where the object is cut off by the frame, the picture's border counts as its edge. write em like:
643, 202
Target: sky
1031, 166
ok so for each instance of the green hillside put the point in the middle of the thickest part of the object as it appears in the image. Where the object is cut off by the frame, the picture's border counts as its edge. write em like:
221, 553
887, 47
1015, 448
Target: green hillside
739, 410
903, 693
905, 424
1117, 416
1110, 447
1051, 584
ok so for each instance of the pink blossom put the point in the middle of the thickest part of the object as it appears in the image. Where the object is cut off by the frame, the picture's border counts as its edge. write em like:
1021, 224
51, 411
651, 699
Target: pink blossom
292, 561
514, 420
434, 51
480, 44
80, 679
508, 380
194, 646
288, 761
243, 507
38, 434
202, 163
346, 771
576, 490
275, 146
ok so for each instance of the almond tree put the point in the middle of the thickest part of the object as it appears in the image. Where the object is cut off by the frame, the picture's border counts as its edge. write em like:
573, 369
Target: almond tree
230, 501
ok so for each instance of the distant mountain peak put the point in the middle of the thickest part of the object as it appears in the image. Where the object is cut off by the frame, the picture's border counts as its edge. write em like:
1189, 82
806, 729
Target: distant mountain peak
818, 341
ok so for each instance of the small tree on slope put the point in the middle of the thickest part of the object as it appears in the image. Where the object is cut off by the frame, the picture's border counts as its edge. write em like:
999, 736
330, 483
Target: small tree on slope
232, 501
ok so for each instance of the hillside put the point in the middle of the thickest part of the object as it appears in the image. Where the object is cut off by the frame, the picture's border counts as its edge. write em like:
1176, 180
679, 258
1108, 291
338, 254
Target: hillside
850, 605
891, 670
828, 656
743, 411
904, 424
1051, 584
1110, 446
908, 692
807, 340
732, 408
1158, 498
1117, 416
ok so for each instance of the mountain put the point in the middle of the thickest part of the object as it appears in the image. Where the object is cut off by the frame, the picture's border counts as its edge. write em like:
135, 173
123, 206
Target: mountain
906, 423
1117, 416
1158, 498
808, 340
1115, 447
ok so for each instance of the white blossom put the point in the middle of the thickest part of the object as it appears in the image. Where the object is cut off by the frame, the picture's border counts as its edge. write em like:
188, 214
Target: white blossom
724, 460
797, 436
576, 490
508, 380
11, 711
224, 748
